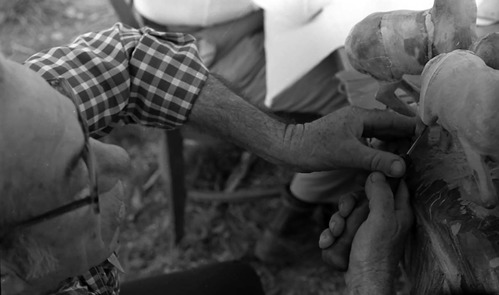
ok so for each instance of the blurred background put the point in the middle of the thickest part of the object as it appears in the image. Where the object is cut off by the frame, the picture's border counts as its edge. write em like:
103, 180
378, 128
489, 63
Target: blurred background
216, 229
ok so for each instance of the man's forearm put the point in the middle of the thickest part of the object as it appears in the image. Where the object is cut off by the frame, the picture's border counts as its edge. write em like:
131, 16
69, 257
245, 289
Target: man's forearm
221, 112
331, 142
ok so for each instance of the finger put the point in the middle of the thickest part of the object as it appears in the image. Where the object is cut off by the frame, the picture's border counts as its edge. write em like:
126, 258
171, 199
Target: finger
403, 206
396, 146
375, 160
385, 124
337, 255
326, 239
380, 195
402, 197
346, 204
336, 224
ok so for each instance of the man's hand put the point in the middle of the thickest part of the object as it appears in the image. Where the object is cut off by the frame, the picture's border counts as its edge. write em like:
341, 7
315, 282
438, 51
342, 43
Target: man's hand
378, 243
336, 140
332, 142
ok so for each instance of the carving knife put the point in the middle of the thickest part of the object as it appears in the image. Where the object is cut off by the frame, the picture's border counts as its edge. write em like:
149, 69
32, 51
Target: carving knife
407, 155
394, 182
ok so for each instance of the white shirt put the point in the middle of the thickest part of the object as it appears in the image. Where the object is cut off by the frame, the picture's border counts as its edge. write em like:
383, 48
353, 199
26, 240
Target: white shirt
193, 12
295, 43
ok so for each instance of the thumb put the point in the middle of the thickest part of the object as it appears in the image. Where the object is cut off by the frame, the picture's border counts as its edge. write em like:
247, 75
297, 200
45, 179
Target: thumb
402, 201
376, 160
379, 193
403, 206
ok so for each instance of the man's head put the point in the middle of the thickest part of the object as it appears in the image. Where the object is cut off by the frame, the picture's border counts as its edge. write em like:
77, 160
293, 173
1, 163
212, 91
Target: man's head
42, 168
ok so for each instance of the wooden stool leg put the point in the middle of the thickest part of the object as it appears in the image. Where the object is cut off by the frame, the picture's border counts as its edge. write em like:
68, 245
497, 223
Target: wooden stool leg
172, 168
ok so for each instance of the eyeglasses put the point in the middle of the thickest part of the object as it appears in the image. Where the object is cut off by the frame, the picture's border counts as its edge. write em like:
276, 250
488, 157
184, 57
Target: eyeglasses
61, 85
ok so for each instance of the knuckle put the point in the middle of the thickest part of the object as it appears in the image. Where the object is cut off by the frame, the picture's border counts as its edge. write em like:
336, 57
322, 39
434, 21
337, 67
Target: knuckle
376, 162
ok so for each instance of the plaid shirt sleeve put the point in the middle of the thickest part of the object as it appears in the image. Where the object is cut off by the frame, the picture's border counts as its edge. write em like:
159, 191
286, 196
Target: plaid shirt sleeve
102, 279
126, 75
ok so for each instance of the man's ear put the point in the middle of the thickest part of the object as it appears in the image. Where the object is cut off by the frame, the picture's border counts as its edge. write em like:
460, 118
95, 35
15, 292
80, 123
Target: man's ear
113, 164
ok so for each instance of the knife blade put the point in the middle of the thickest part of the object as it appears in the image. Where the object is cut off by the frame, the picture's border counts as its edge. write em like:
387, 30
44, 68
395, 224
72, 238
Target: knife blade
394, 182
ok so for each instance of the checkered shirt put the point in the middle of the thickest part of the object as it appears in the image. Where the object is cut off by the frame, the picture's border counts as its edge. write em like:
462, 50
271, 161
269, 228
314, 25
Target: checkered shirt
99, 280
123, 75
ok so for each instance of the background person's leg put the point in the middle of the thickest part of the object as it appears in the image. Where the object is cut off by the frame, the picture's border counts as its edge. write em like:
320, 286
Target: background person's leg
214, 279
293, 231
327, 186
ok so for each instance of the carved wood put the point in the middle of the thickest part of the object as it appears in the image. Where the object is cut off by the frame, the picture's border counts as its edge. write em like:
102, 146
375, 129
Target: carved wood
455, 245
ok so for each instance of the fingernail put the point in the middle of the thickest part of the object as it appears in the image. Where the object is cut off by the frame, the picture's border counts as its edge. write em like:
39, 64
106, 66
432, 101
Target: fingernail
325, 240
376, 177
397, 168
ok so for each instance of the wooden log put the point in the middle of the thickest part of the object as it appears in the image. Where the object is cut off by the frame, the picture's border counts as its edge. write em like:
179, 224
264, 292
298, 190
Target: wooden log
455, 245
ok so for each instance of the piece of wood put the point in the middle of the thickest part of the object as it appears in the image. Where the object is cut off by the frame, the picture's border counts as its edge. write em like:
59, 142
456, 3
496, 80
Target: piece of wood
388, 45
459, 92
455, 245
454, 248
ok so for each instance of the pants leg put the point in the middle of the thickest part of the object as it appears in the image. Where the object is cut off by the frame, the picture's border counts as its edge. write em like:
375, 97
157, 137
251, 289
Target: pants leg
215, 279
327, 186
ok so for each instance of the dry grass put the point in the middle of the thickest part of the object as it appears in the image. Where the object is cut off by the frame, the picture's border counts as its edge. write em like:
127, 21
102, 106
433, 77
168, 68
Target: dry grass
28, 26
215, 231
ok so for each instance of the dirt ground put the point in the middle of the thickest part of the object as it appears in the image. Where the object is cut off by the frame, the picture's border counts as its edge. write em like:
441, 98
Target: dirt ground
215, 231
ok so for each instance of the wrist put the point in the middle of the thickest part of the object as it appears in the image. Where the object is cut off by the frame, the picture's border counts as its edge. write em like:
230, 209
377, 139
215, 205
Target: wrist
295, 146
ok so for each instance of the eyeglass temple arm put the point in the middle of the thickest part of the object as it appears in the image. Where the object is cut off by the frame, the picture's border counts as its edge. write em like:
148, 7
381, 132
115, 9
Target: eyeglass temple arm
57, 212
